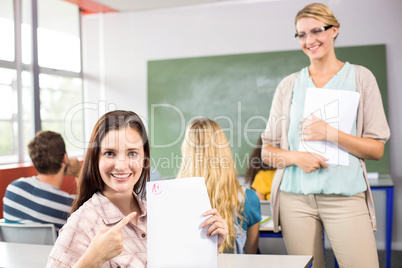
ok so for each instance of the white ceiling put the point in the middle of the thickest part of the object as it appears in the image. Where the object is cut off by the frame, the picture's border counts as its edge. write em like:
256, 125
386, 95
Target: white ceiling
135, 5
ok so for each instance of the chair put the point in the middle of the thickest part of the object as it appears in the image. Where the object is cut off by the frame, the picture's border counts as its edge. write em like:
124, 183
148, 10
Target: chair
35, 233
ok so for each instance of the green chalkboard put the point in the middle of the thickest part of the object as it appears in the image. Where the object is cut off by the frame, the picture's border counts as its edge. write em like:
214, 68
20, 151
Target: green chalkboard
236, 91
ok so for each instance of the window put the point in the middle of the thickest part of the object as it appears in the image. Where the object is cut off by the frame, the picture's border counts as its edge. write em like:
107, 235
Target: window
40, 74
7, 30
57, 95
8, 104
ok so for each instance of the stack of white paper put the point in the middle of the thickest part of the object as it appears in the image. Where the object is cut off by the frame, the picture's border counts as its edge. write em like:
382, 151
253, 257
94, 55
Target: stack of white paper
175, 214
373, 175
336, 107
266, 222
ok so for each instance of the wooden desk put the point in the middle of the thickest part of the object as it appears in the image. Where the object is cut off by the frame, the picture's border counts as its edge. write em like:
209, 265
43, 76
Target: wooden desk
23, 255
35, 256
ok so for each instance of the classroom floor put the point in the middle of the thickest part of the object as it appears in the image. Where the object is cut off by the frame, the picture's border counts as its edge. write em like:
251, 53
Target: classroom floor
396, 258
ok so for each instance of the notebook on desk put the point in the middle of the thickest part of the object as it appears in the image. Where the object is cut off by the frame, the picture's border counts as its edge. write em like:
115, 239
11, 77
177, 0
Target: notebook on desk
266, 223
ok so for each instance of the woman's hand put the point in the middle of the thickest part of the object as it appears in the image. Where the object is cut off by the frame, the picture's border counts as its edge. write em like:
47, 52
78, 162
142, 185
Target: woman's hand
218, 226
107, 244
309, 162
316, 129
313, 129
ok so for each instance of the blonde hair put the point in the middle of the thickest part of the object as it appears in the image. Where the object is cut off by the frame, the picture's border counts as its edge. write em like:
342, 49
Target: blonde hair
319, 12
206, 153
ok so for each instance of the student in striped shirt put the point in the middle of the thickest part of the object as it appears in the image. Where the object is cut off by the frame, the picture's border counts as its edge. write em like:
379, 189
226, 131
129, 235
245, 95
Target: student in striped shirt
38, 199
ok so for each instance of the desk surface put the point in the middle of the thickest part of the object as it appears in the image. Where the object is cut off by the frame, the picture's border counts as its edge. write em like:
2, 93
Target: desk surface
35, 256
384, 180
23, 255
262, 261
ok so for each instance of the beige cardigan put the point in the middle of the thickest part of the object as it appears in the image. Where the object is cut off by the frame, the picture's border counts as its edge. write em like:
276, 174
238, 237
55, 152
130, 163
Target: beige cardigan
371, 123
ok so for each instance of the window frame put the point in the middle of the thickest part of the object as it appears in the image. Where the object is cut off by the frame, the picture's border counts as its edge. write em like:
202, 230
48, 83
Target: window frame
35, 71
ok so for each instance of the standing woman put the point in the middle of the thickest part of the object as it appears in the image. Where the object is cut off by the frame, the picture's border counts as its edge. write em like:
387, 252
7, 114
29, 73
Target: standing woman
308, 194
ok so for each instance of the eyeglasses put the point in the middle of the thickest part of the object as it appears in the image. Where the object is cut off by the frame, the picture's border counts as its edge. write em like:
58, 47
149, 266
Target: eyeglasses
313, 32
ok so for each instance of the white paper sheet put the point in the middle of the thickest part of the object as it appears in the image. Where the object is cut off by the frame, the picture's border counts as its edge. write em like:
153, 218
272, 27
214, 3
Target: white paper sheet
336, 107
267, 222
175, 214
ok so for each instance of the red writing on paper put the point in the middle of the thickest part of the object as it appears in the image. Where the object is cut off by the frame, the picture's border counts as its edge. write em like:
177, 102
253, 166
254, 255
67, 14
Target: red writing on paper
156, 189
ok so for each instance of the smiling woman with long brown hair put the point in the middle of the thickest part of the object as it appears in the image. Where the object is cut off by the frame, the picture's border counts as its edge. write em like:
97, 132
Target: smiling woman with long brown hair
108, 226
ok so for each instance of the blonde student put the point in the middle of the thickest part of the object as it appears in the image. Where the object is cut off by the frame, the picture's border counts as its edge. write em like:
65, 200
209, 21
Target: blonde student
108, 224
206, 153
307, 193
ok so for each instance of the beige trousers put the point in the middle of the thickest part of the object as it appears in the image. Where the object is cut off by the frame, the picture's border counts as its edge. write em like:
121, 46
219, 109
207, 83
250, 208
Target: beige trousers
346, 222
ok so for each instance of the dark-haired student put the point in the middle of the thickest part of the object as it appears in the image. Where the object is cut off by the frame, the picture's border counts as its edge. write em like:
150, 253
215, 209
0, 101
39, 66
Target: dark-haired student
258, 174
38, 199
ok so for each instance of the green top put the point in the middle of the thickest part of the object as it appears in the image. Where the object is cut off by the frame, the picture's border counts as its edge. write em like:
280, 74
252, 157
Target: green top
345, 180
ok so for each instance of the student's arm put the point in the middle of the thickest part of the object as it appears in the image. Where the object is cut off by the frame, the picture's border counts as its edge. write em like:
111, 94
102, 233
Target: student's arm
107, 244
253, 234
73, 168
260, 195
316, 129
218, 226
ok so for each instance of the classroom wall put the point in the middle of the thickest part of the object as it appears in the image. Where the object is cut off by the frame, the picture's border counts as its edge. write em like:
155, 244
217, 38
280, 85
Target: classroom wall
117, 46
